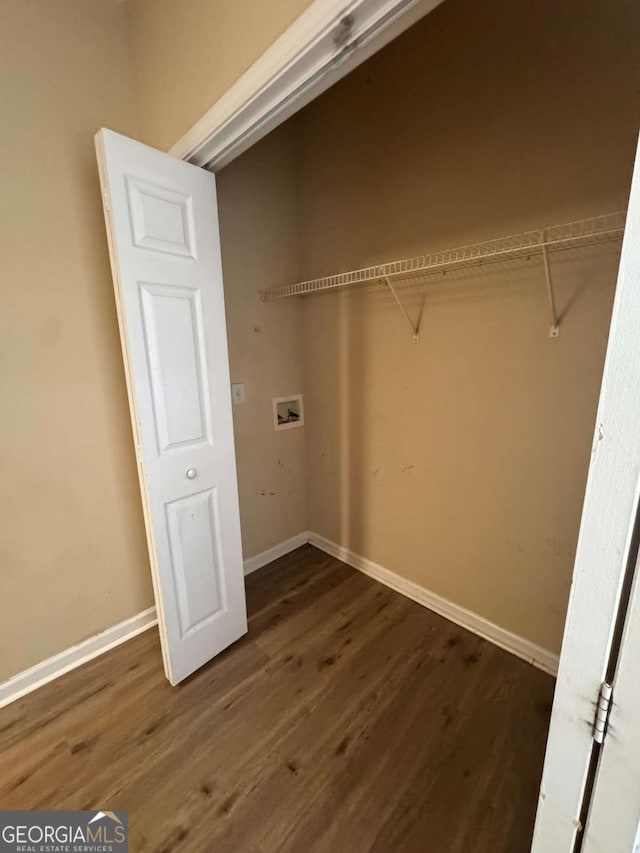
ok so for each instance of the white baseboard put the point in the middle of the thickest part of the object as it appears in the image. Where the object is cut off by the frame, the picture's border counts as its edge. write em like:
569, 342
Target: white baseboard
29, 680
519, 646
34, 677
252, 564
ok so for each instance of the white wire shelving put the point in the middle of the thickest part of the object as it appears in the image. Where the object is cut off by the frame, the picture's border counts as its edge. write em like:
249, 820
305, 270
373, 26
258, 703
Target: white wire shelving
583, 232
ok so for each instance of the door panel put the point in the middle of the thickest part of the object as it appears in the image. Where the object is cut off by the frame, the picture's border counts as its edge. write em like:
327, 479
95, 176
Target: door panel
162, 219
172, 326
194, 534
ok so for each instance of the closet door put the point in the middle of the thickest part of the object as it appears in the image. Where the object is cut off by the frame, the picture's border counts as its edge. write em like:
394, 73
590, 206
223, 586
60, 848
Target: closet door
162, 225
575, 764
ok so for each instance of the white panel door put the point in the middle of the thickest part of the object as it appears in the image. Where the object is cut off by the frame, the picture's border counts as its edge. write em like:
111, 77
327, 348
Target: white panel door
613, 817
162, 224
603, 554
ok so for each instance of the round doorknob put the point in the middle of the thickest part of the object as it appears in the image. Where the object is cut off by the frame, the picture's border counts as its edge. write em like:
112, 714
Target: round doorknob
191, 473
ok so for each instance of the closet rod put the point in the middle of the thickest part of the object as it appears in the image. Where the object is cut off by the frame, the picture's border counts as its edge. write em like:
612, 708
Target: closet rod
583, 232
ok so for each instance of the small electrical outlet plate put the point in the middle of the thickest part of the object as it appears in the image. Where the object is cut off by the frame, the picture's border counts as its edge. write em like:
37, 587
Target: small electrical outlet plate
237, 392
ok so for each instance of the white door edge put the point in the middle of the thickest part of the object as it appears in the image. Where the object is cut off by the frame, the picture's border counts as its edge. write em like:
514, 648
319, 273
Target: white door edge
604, 543
115, 272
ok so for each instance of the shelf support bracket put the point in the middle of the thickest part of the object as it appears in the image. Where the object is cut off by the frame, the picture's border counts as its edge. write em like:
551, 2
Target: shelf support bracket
554, 330
415, 328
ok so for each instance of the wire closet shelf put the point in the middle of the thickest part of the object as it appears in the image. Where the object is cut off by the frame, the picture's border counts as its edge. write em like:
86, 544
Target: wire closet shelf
583, 232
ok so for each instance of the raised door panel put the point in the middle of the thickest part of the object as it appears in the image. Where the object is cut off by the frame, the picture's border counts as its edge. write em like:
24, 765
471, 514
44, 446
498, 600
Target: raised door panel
161, 218
196, 557
174, 342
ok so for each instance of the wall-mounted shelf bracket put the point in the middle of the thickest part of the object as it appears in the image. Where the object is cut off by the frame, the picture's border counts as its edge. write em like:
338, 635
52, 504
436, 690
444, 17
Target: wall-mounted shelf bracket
415, 327
554, 330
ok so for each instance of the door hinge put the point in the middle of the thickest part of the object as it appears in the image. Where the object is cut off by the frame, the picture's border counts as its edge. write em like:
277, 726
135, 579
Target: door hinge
105, 199
603, 708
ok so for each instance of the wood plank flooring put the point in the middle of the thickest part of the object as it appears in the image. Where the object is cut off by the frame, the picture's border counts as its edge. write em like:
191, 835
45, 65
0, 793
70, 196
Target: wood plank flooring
348, 719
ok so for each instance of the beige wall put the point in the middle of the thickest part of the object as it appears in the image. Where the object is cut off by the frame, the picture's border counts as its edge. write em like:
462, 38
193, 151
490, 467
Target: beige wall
460, 462
187, 54
72, 546
257, 197
443, 138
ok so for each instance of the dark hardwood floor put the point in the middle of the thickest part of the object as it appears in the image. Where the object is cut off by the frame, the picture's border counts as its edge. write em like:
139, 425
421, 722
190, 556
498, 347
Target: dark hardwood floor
348, 719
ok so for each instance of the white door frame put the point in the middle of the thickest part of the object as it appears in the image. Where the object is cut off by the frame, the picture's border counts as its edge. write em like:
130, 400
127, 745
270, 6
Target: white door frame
327, 41
605, 548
